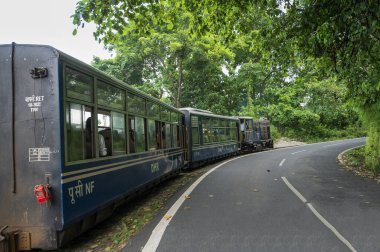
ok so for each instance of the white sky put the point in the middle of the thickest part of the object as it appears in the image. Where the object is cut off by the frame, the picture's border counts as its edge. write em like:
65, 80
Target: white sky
48, 22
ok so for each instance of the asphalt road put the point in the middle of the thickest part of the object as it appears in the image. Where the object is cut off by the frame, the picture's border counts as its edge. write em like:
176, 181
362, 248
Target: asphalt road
293, 199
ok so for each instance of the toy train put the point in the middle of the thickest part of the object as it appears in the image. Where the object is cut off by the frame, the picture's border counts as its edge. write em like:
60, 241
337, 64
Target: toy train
76, 143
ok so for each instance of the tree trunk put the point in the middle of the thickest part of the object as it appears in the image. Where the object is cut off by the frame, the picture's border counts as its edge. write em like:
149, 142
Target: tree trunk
179, 84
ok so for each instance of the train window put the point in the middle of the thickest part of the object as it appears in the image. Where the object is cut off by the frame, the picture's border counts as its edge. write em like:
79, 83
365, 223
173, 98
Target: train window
74, 132
78, 85
250, 124
136, 134
88, 133
173, 117
226, 130
226, 123
163, 135
165, 115
132, 133
118, 134
79, 132
104, 133
110, 96
153, 136
153, 110
216, 135
233, 134
222, 135
207, 134
215, 122
219, 122
168, 136
140, 134
194, 121
195, 130
242, 125
136, 105
176, 140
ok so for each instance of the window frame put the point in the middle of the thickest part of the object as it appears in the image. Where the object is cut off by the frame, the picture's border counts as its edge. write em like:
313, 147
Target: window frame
96, 106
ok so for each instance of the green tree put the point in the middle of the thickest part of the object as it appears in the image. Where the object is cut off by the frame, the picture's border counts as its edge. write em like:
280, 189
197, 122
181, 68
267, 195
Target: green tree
346, 34
171, 64
274, 43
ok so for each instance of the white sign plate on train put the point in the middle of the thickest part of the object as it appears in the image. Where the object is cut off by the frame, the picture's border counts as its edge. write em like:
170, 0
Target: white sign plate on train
39, 154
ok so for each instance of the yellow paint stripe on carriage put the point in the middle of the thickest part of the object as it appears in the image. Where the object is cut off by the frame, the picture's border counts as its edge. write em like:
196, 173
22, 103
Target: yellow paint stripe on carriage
91, 174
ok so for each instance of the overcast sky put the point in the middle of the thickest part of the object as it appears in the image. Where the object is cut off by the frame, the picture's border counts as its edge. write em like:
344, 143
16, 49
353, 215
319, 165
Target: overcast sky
48, 22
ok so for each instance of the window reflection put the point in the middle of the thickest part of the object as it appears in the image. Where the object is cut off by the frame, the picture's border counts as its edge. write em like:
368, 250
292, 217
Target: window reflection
79, 85
104, 133
79, 132
118, 133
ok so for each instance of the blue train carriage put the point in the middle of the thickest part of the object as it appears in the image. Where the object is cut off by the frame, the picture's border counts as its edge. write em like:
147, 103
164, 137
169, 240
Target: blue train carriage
209, 136
74, 143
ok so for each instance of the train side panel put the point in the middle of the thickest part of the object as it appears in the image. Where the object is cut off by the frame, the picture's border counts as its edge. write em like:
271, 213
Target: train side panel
30, 149
201, 137
213, 152
91, 186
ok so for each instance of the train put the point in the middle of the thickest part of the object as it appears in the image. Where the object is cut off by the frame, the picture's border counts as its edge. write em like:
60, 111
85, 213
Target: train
76, 143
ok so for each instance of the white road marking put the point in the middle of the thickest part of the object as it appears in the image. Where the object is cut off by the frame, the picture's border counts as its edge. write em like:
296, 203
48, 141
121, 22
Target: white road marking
294, 190
319, 216
282, 162
298, 152
158, 231
331, 227
332, 145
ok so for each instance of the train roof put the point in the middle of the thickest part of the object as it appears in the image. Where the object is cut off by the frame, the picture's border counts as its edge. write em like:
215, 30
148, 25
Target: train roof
196, 110
262, 119
206, 113
84, 66
244, 117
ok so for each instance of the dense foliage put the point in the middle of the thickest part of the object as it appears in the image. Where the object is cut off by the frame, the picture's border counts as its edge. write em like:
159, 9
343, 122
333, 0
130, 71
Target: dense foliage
311, 67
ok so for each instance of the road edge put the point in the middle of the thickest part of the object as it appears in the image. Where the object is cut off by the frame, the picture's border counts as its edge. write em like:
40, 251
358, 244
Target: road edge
340, 156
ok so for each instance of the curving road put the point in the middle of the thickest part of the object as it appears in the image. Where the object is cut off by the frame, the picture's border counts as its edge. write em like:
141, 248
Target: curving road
293, 199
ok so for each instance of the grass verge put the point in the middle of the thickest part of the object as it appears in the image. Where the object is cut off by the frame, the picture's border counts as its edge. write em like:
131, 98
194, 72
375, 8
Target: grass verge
354, 160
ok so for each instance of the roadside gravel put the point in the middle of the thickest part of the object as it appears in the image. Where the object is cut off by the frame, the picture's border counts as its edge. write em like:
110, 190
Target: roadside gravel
284, 142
